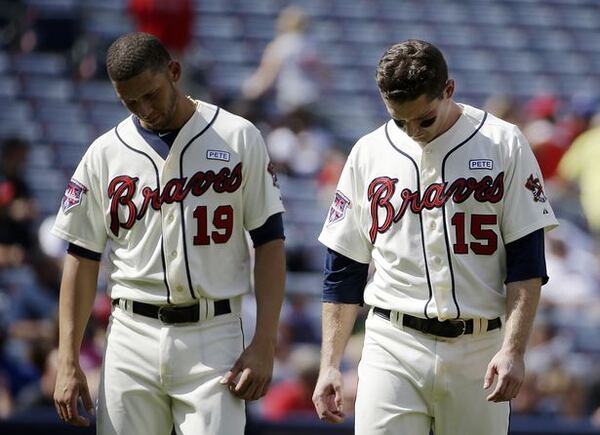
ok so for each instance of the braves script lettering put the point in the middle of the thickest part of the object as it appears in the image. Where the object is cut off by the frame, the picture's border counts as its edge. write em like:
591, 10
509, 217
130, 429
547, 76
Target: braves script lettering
121, 191
382, 189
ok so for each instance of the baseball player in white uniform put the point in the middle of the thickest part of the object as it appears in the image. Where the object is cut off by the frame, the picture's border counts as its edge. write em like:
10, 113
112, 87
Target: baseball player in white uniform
173, 188
448, 204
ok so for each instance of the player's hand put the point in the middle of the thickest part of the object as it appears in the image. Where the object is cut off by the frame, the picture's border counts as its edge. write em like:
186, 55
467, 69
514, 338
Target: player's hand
71, 385
510, 369
255, 370
327, 396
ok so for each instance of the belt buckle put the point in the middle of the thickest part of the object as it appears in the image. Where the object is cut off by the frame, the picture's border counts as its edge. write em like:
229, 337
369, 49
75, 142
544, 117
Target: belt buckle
463, 323
162, 310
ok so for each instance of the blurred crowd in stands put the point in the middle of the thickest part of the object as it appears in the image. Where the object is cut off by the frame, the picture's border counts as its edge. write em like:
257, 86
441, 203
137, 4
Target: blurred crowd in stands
283, 97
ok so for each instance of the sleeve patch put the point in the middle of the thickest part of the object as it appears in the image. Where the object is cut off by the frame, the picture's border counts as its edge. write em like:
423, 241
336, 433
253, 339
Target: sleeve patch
534, 184
73, 195
271, 170
337, 212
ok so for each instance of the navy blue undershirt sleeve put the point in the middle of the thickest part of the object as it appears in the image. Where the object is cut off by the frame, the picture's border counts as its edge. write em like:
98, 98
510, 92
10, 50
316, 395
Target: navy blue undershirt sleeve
525, 258
272, 229
345, 279
83, 252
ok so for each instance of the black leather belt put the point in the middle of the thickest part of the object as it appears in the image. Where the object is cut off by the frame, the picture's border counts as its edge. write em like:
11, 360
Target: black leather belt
171, 314
447, 328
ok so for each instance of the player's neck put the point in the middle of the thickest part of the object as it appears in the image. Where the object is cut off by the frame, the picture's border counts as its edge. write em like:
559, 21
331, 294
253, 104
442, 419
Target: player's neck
454, 112
186, 107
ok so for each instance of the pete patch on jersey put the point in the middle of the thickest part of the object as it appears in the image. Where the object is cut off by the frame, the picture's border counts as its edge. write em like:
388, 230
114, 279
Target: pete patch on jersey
73, 195
337, 212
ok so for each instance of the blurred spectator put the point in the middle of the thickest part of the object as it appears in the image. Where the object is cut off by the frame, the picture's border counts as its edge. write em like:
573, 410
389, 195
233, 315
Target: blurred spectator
17, 209
504, 107
292, 398
50, 27
12, 21
542, 134
172, 21
579, 166
571, 265
6, 400
298, 147
542, 107
38, 395
290, 64
295, 325
15, 374
529, 397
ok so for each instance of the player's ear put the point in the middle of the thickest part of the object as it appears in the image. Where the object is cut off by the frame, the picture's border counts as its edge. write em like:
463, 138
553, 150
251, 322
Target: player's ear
174, 68
449, 89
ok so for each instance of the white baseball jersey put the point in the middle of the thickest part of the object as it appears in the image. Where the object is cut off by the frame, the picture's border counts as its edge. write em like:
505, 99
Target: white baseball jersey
435, 219
176, 226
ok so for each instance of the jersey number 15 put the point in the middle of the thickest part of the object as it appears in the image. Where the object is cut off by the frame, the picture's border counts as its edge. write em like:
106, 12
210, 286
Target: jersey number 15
479, 233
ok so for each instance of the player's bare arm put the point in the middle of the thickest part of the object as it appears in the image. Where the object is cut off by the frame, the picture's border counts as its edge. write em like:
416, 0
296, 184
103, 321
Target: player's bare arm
255, 366
338, 321
508, 364
77, 293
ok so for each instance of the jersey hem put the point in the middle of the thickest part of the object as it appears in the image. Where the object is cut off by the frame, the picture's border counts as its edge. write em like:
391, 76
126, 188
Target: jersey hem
342, 250
77, 241
258, 222
547, 226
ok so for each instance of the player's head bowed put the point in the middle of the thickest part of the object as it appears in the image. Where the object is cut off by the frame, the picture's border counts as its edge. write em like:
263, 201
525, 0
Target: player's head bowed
144, 77
412, 77
134, 53
411, 69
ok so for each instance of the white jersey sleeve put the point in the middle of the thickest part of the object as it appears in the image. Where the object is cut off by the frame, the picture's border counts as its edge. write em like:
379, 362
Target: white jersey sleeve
80, 219
525, 206
343, 231
261, 194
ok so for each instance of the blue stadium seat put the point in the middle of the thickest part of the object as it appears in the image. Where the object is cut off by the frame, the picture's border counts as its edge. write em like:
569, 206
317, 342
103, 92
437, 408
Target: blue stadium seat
41, 155
217, 26
61, 133
59, 111
48, 88
50, 64
15, 111
326, 30
213, 6
104, 116
10, 87
96, 91
357, 9
257, 7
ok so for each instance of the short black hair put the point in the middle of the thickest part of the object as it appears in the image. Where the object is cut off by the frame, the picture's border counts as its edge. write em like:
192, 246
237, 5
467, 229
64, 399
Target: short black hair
134, 53
410, 69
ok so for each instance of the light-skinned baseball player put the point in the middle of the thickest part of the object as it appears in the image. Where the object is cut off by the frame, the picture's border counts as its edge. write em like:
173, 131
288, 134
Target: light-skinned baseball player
447, 202
172, 190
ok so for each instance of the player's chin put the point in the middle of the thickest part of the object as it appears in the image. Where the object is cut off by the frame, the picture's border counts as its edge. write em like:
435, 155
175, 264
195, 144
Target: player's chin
155, 124
420, 139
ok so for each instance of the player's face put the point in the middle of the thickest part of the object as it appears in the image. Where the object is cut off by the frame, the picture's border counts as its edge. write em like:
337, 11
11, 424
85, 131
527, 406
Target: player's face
423, 119
151, 96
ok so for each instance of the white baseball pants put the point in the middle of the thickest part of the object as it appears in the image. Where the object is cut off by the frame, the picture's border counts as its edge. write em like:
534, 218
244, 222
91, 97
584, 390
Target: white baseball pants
410, 382
156, 376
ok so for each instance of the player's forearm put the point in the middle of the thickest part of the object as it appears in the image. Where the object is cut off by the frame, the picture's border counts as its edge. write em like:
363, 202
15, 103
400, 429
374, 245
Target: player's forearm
522, 299
338, 321
77, 293
269, 281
